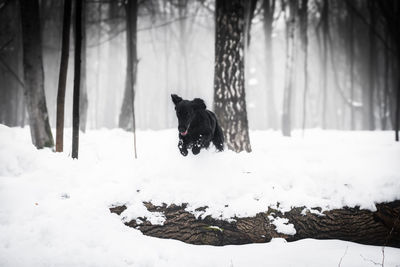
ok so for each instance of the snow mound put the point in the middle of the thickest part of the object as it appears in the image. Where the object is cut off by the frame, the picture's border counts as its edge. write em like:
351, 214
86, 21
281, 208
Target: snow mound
54, 210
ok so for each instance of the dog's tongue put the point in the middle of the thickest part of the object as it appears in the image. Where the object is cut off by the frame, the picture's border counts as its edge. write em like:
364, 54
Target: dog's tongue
184, 133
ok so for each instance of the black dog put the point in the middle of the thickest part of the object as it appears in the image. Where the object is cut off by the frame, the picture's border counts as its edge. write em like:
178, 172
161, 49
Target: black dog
197, 126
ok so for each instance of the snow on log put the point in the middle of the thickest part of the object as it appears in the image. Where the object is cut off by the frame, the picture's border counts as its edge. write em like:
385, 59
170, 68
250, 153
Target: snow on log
380, 227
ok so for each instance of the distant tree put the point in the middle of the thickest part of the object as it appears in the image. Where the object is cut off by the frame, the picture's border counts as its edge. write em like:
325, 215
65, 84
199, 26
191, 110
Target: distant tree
390, 10
304, 40
127, 116
249, 10
371, 65
290, 9
83, 99
351, 59
114, 25
62, 80
386, 79
269, 10
12, 106
324, 58
229, 81
183, 68
77, 78
51, 13
33, 75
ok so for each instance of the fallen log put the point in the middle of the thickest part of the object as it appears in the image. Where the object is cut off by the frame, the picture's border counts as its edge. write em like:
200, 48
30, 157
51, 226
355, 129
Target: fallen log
380, 227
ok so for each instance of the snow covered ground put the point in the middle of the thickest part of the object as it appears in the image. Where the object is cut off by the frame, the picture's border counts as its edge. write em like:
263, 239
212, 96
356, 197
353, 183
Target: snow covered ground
54, 210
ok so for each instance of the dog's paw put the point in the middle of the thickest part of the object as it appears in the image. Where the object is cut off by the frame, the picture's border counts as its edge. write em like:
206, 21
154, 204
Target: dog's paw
184, 152
195, 150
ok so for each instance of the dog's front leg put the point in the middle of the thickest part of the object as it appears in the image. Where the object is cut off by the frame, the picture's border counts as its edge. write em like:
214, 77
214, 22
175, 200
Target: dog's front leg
205, 140
182, 147
201, 141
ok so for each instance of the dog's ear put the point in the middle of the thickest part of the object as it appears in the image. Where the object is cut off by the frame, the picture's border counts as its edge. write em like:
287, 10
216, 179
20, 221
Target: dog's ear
198, 103
176, 99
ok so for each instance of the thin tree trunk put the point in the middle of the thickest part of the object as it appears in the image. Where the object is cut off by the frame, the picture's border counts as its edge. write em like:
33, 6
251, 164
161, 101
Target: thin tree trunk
351, 58
183, 60
397, 119
269, 10
304, 15
386, 84
229, 80
33, 75
289, 70
113, 44
372, 48
166, 40
127, 116
97, 86
83, 99
325, 27
77, 78
62, 80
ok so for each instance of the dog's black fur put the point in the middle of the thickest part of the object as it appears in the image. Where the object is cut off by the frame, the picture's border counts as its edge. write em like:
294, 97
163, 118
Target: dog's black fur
197, 126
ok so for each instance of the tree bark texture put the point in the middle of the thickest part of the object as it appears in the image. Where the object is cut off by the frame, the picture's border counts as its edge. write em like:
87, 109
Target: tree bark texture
229, 81
77, 78
62, 80
381, 227
34, 76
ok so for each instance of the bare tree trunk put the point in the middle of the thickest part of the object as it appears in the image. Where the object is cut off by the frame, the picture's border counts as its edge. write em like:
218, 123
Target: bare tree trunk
111, 116
62, 80
380, 227
51, 22
304, 26
127, 116
390, 11
11, 85
289, 69
97, 122
386, 84
351, 64
183, 60
269, 10
34, 76
83, 99
325, 27
77, 78
229, 81
372, 62
397, 118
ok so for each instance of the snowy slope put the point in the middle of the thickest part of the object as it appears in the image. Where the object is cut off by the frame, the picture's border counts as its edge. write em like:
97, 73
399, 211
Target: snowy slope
54, 210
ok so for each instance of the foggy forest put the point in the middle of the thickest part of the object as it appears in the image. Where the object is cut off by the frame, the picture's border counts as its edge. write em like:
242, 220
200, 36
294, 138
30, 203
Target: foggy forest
307, 64
306, 94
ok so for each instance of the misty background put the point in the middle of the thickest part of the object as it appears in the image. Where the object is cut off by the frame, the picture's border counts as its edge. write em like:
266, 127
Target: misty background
348, 44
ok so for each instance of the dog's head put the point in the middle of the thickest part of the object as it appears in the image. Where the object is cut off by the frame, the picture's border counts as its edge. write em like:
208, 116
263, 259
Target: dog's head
186, 111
